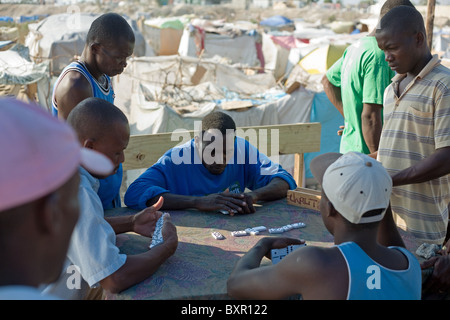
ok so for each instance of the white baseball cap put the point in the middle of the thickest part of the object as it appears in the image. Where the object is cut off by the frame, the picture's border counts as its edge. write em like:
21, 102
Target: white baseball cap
354, 183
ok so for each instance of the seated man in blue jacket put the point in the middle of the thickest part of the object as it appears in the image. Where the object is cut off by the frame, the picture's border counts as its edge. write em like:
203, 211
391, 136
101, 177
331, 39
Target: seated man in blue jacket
211, 173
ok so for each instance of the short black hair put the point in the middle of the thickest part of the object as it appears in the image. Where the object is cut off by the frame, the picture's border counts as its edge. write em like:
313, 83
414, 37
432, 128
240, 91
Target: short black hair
404, 18
218, 120
390, 4
108, 28
92, 117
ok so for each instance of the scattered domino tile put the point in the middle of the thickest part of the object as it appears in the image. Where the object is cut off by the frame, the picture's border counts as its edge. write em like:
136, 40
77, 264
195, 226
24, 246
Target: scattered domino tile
276, 230
239, 233
217, 235
298, 225
257, 230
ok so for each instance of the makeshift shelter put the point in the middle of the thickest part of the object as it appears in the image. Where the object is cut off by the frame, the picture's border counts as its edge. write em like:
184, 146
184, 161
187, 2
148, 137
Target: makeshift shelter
9, 33
442, 43
236, 43
58, 45
163, 34
22, 78
278, 23
321, 59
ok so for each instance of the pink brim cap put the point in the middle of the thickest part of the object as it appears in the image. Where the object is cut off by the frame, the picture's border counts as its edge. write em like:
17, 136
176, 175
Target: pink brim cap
39, 154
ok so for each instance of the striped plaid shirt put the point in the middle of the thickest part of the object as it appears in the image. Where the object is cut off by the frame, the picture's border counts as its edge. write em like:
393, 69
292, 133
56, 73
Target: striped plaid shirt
415, 125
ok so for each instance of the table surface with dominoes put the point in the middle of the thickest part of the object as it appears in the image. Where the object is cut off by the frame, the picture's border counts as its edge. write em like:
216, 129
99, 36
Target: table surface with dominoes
209, 247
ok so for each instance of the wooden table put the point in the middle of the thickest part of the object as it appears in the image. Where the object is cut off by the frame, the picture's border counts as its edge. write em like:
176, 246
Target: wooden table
201, 264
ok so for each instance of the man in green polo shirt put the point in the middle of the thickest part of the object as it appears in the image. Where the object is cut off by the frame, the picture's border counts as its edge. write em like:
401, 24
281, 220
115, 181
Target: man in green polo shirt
355, 84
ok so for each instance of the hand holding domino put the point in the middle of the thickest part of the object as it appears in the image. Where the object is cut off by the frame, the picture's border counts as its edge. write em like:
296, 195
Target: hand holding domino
157, 237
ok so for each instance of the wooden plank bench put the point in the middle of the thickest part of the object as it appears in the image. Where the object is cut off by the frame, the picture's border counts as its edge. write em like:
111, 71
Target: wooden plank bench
298, 138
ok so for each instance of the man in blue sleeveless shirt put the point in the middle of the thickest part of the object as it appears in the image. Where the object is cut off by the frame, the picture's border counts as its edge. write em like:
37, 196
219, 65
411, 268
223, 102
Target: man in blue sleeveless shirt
110, 41
355, 195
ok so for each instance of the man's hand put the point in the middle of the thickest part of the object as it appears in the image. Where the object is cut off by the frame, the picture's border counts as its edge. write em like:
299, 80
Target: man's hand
231, 202
144, 222
169, 233
439, 281
270, 243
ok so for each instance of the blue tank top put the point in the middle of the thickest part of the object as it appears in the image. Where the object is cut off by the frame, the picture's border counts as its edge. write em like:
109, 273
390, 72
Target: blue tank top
104, 92
109, 191
369, 280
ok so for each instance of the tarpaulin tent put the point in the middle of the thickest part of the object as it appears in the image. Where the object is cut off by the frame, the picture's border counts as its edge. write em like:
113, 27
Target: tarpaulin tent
19, 75
321, 59
228, 41
164, 34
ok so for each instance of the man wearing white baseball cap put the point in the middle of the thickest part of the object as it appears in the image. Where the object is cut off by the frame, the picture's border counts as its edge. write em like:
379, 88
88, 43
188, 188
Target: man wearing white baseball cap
38, 196
355, 195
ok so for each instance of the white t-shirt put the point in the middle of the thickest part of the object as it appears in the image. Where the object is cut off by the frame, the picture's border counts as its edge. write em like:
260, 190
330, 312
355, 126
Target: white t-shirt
92, 252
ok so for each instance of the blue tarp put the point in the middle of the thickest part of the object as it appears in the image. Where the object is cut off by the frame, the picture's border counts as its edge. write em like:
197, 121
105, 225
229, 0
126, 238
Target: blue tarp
23, 19
276, 21
5, 43
6, 19
323, 111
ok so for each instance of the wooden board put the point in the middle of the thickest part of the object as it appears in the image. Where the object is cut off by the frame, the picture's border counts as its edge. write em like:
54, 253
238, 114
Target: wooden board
304, 197
144, 150
297, 138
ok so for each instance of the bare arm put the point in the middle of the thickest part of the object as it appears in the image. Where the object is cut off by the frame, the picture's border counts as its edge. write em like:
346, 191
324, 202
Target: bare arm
333, 93
276, 189
143, 222
213, 202
139, 267
371, 125
72, 89
432, 167
249, 281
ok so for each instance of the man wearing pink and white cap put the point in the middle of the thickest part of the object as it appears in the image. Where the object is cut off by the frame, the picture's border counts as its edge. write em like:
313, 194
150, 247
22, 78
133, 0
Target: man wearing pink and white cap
355, 195
39, 206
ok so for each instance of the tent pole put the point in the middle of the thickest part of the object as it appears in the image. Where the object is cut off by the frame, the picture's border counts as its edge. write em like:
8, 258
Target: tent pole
430, 22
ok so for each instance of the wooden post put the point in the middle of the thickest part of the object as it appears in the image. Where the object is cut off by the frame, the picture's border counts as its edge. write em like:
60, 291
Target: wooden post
430, 22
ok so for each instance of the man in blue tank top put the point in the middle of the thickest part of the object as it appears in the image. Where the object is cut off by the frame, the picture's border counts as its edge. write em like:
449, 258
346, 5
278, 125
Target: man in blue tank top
109, 42
355, 196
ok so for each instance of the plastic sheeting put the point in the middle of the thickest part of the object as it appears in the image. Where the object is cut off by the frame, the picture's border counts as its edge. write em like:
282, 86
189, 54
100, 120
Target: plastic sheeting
16, 68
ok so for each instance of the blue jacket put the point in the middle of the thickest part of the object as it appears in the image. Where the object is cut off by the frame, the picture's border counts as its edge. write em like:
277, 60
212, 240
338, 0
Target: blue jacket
180, 171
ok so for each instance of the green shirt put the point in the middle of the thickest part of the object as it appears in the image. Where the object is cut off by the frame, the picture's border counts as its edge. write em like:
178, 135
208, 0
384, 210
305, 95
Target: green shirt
362, 74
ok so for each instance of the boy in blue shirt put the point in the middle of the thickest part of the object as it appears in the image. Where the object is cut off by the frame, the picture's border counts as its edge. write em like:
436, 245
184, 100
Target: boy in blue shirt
211, 173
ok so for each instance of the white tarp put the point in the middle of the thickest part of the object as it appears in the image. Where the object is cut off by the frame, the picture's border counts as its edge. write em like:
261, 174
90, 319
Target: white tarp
163, 85
16, 68
58, 38
237, 48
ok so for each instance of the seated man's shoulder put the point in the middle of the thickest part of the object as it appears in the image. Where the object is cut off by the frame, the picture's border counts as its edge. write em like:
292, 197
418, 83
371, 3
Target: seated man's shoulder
319, 259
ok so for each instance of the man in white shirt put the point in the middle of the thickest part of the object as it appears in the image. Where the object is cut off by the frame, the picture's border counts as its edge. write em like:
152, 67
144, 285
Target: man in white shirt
93, 255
